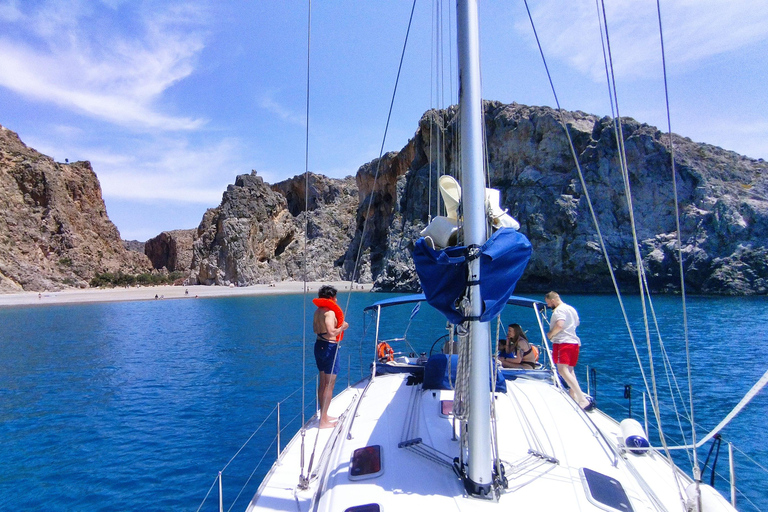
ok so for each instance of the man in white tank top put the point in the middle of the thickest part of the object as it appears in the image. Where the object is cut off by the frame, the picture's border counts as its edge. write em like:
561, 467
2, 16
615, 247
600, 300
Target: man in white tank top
565, 345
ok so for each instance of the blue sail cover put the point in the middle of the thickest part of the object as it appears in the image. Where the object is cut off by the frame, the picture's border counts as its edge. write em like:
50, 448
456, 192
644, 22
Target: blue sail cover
443, 274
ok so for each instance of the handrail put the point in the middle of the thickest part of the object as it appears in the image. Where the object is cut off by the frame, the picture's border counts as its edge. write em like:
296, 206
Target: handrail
730, 478
276, 438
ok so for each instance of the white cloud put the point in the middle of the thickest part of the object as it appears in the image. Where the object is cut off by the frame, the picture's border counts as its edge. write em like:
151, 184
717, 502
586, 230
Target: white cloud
109, 75
179, 171
693, 30
269, 104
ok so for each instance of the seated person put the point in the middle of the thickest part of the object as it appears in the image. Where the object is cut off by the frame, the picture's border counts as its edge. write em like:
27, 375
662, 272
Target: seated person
503, 349
519, 352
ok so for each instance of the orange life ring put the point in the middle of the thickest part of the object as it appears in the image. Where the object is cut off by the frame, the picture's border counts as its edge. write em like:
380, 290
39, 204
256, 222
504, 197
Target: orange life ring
333, 306
385, 352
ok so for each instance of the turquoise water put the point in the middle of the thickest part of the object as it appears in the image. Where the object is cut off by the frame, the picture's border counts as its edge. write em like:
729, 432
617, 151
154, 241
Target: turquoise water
138, 405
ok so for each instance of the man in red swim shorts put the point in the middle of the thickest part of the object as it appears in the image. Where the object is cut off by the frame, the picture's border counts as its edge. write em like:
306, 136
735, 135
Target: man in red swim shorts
565, 345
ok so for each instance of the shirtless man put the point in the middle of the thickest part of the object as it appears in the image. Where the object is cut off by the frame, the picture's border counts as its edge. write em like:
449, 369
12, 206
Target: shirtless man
565, 346
329, 325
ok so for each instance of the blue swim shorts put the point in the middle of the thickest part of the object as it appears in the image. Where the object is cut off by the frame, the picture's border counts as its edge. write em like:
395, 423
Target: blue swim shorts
325, 356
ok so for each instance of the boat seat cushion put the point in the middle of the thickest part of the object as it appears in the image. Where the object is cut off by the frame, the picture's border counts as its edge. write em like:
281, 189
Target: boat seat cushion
440, 373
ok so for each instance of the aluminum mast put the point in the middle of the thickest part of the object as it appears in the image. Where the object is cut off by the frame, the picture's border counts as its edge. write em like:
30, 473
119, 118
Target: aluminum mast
479, 474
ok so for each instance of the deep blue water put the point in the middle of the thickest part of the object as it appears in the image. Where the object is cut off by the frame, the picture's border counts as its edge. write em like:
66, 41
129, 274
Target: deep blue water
138, 405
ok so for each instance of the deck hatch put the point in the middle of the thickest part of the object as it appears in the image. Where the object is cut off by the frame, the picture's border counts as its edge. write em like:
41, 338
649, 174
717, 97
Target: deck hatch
604, 491
369, 507
366, 463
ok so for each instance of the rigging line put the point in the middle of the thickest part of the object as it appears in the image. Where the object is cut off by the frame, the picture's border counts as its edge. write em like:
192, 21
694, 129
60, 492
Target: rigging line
249, 439
753, 461
679, 234
638, 258
306, 223
381, 153
268, 450
440, 75
208, 493
589, 200
668, 370
759, 385
432, 74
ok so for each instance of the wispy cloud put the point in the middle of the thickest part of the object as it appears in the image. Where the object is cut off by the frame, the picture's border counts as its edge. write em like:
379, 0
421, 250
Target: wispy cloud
693, 30
173, 170
269, 104
54, 55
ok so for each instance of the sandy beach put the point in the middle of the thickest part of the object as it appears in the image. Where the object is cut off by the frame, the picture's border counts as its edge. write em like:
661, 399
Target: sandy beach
164, 293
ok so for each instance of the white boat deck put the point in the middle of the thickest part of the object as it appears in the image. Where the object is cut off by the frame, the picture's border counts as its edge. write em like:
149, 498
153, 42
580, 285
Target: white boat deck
542, 447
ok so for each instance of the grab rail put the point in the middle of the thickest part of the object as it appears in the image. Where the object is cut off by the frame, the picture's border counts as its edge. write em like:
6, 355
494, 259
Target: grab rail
276, 441
730, 478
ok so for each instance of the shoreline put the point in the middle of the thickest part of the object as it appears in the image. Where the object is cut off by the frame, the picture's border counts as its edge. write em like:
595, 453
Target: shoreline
165, 292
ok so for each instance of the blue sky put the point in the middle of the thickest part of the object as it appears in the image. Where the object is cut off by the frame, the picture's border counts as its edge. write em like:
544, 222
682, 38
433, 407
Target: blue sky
170, 101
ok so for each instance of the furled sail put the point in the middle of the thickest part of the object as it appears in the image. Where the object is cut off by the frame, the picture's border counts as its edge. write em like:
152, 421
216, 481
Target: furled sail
443, 273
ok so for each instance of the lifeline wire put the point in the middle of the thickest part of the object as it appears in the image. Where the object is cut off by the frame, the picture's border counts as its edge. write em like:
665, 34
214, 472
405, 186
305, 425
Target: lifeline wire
679, 240
306, 241
638, 259
591, 208
306, 221
370, 200
381, 153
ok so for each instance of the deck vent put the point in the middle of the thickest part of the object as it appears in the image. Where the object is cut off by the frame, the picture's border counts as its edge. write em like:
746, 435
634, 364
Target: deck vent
366, 463
605, 492
370, 507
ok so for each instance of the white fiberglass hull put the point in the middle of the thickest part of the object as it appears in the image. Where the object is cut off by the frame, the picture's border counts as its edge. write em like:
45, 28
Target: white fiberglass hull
545, 442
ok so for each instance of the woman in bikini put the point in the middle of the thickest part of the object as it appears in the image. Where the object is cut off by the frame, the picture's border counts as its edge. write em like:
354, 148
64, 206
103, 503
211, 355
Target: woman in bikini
520, 353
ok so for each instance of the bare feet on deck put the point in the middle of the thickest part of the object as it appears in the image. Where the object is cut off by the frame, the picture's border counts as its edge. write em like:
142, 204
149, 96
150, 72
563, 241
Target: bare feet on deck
330, 423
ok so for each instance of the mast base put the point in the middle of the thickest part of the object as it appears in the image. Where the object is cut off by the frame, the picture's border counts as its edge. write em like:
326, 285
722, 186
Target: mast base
474, 489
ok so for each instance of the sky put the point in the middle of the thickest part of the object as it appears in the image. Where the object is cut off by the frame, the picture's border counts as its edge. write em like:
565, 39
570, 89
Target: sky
170, 101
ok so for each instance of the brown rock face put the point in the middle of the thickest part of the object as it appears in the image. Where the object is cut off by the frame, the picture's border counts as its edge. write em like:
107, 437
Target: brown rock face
54, 230
171, 250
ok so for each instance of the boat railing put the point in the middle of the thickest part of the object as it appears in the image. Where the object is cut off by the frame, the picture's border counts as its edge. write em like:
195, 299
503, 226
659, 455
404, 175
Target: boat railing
619, 408
273, 418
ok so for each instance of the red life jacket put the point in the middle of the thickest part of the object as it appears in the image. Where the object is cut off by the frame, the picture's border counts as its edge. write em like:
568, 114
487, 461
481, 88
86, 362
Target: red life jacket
331, 304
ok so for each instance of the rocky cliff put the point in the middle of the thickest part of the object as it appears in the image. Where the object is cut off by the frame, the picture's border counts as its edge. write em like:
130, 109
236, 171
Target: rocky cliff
258, 233
723, 203
54, 230
171, 250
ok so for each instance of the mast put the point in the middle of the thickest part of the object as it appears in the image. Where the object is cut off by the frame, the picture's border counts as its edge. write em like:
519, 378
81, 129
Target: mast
478, 479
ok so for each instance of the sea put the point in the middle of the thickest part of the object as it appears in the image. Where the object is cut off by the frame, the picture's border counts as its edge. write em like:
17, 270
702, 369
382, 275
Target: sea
140, 405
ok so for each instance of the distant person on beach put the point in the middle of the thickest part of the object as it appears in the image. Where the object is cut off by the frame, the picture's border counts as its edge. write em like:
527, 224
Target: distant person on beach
565, 345
329, 326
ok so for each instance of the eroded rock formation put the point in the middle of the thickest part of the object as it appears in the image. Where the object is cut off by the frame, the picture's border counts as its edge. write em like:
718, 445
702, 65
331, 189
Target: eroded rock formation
54, 228
258, 233
722, 197
56, 232
171, 250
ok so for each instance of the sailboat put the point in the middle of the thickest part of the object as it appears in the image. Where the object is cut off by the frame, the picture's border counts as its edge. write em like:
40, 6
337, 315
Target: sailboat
455, 432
